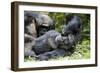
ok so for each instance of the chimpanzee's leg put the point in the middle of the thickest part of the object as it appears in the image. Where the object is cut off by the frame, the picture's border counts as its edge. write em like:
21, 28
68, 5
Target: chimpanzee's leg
51, 54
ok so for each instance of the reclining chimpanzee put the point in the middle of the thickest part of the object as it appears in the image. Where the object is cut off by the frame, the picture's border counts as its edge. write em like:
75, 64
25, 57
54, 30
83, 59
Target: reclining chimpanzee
53, 43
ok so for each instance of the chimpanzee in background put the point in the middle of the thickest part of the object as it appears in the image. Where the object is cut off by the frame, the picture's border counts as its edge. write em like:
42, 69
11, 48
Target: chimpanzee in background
35, 25
53, 43
41, 23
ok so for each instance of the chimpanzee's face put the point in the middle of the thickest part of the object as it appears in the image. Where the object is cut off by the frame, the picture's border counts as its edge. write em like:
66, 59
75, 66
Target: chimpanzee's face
43, 29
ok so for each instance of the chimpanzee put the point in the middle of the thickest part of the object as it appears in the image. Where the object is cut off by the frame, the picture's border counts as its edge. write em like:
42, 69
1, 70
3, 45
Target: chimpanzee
35, 25
53, 40
37, 22
73, 25
52, 43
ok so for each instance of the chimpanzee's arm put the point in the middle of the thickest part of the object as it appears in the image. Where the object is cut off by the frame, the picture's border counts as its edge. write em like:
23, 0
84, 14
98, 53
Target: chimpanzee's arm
51, 43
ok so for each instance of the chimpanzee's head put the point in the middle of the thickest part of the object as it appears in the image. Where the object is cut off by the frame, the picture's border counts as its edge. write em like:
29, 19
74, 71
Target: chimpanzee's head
42, 22
73, 25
